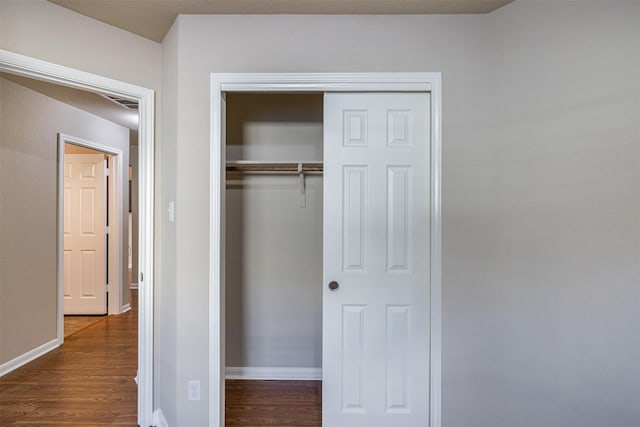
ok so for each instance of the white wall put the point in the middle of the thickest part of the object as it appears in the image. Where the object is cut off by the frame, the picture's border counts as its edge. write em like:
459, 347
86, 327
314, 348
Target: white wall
28, 175
273, 246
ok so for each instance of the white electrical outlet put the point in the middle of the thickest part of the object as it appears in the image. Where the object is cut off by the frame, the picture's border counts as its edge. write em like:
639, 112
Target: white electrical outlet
194, 390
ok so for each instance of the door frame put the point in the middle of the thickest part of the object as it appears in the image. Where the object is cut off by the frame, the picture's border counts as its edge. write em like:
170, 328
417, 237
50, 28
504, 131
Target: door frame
21, 65
222, 83
116, 226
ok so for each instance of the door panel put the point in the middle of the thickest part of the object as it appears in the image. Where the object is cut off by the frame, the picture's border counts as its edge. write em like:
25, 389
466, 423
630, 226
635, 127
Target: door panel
354, 217
84, 234
376, 246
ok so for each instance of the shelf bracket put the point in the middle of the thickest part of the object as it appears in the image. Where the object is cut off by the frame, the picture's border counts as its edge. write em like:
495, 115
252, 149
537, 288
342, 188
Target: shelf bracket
302, 196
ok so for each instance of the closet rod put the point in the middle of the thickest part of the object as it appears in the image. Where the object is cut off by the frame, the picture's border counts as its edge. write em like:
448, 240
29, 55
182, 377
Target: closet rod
275, 167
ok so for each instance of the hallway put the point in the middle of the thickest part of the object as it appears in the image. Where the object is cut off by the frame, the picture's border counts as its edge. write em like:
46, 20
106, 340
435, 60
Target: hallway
88, 381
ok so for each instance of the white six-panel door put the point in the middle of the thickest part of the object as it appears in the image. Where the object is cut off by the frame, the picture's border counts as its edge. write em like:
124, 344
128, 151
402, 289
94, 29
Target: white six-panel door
84, 259
376, 250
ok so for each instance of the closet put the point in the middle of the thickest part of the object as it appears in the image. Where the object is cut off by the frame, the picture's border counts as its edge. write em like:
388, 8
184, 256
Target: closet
327, 231
274, 236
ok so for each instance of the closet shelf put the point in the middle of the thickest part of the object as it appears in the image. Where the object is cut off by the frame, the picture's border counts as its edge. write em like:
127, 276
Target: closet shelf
279, 168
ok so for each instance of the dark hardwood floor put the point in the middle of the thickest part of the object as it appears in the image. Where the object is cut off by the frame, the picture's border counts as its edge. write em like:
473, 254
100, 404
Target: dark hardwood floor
75, 324
273, 403
89, 382
86, 382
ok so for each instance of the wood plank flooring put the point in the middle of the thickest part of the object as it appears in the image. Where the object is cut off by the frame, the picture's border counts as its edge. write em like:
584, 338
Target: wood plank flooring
73, 324
273, 403
86, 382
89, 382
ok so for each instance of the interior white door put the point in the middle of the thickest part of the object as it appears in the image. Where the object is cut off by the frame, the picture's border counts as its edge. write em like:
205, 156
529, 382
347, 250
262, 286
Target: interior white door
84, 261
377, 253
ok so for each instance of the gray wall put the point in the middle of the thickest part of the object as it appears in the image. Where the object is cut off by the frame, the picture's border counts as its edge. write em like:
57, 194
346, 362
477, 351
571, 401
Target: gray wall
28, 177
167, 290
455, 45
273, 246
524, 268
52, 33
540, 281
542, 307
41, 30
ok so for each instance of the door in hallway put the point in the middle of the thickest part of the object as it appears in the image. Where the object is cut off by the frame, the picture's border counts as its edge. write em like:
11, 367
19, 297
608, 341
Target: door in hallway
84, 258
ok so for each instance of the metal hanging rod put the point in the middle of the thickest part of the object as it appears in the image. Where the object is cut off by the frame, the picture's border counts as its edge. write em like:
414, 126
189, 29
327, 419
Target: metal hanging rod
280, 168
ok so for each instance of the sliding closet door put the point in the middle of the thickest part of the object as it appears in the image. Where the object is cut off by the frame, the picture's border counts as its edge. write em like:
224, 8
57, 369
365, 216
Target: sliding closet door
376, 260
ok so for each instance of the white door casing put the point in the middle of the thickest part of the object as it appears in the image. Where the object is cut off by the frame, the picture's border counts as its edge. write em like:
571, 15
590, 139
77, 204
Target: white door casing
84, 225
426, 83
377, 248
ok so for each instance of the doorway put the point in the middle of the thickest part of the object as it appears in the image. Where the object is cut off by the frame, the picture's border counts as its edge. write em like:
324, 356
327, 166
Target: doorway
85, 259
90, 229
29, 67
353, 317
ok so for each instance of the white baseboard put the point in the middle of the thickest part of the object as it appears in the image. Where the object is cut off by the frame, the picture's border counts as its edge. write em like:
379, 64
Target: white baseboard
14, 364
158, 419
125, 308
133, 286
260, 373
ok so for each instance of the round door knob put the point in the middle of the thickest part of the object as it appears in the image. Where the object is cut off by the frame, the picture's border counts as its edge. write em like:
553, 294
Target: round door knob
333, 285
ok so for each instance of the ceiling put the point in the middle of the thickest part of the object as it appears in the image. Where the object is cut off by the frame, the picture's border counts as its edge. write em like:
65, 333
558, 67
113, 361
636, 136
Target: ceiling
88, 101
153, 18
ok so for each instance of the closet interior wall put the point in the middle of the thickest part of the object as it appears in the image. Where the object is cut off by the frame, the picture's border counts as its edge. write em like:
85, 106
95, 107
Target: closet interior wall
273, 245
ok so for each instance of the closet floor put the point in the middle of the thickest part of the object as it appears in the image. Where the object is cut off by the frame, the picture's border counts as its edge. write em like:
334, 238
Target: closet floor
273, 403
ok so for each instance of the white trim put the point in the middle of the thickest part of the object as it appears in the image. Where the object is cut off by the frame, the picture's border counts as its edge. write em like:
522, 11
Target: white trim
435, 335
133, 286
125, 308
27, 357
330, 82
216, 261
324, 82
159, 420
60, 243
25, 66
273, 373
